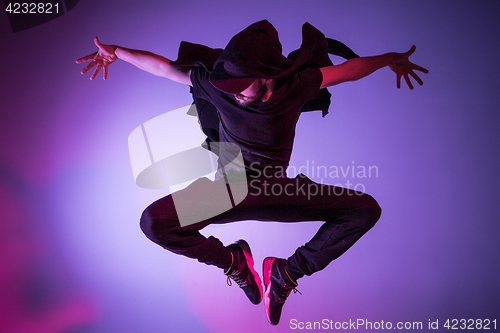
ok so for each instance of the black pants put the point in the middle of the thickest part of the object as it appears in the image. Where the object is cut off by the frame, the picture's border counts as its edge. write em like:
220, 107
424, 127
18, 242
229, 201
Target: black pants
348, 215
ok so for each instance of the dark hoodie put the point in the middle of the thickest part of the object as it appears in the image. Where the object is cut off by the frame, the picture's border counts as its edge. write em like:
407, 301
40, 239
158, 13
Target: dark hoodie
256, 52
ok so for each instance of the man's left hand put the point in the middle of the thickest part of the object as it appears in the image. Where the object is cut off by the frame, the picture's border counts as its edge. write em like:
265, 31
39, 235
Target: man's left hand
402, 66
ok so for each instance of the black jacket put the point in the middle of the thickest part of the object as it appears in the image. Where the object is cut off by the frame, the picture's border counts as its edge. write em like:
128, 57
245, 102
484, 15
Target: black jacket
312, 53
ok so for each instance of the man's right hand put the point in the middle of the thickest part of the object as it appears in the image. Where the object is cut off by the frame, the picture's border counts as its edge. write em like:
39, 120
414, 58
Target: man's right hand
102, 58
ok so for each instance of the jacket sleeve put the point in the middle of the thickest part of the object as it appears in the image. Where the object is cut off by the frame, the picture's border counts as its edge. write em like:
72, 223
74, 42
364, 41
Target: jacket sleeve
314, 52
196, 55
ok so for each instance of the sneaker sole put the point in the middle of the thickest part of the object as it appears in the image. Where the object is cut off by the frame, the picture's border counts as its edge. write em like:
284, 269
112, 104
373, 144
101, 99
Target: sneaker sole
249, 258
267, 267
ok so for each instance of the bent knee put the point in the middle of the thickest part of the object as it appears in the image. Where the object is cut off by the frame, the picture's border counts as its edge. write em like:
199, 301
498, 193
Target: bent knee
147, 223
371, 211
373, 216
157, 221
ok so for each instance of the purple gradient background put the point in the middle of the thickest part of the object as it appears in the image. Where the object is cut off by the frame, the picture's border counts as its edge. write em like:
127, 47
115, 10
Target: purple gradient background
433, 255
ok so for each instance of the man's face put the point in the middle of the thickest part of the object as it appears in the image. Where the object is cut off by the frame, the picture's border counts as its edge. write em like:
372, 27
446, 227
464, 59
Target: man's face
253, 94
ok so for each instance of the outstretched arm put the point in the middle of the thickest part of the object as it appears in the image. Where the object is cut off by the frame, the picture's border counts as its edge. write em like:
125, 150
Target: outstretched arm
358, 68
147, 61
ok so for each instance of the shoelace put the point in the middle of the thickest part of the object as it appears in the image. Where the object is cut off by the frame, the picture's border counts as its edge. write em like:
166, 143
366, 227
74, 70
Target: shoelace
286, 292
236, 276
